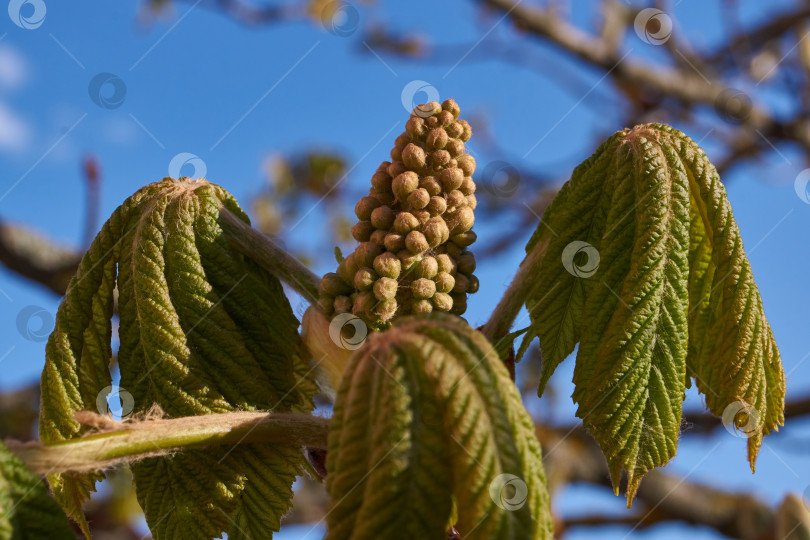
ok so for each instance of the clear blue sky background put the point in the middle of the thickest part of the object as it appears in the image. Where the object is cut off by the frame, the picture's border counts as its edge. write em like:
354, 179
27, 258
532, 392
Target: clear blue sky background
198, 82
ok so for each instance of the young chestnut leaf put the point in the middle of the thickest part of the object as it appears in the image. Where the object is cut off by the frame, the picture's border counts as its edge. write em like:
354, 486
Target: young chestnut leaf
644, 267
27, 510
427, 415
202, 329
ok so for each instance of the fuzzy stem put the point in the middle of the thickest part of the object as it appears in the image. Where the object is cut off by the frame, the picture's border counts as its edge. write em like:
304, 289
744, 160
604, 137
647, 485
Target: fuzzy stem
270, 256
509, 306
131, 441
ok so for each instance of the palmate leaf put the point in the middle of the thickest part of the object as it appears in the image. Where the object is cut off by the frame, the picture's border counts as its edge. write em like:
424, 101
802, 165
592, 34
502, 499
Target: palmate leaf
27, 510
202, 330
427, 415
643, 266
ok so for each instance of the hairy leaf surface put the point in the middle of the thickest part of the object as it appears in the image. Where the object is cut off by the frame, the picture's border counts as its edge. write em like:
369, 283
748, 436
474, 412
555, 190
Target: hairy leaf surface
27, 510
644, 268
202, 330
427, 414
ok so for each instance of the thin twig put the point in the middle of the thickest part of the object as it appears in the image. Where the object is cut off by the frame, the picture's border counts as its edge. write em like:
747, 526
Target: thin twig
270, 256
121, 442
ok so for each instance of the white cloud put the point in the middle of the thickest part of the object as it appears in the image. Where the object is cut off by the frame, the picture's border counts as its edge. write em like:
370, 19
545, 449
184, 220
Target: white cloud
15, 132
13, 68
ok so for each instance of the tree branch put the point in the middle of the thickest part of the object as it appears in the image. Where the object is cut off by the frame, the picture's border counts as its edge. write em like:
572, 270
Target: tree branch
119, 442
571, 456
32, 256
270, 256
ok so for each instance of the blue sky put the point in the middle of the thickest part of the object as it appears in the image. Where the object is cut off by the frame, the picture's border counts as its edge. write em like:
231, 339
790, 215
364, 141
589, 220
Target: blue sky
199, 83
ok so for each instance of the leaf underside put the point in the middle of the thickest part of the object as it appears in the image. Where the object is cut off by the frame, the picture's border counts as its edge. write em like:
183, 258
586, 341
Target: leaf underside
202, 330
672, 297
427, 415
27, 510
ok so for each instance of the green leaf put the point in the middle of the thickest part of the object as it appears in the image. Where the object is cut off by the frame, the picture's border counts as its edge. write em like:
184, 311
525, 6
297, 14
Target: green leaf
202, 330
643, 266
27, 510
427, 415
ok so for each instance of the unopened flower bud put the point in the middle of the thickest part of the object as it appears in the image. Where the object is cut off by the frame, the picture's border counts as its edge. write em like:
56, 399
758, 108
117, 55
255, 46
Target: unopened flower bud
362, 231
436, 206
455, 199
446, 264
431, 185
405, 222
382, 217
440, 158
466, 262
464, 239
385, 288
444, 282
394, 242
442, 301
451, 179
437, 138
454, 147
364, 279
413, 157
404, 184
333, 285
427, 268
416, 242
381, 181
452, 107
387, 265
423, 288
419, 198
467, 164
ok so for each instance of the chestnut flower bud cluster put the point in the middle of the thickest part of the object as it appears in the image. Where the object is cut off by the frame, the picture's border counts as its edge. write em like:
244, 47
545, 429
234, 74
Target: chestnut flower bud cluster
414, 227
